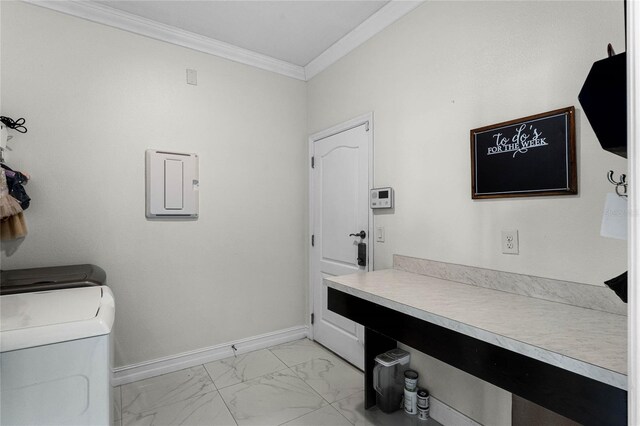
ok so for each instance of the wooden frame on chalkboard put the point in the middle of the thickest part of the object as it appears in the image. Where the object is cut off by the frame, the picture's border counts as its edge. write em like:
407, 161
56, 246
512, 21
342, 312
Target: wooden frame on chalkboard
526, 157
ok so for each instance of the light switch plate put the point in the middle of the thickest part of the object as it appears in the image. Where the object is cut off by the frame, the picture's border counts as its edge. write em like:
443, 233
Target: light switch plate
192, 77
380, 234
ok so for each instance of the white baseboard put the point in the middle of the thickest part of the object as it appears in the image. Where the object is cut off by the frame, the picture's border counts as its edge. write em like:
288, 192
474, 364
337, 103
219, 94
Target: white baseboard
447, 416
156, 367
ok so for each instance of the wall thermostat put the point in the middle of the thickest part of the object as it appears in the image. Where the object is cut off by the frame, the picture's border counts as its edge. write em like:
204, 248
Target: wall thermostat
382, 198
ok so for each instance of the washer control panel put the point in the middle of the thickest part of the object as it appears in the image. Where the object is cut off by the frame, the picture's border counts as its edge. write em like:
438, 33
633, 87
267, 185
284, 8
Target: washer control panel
381, 198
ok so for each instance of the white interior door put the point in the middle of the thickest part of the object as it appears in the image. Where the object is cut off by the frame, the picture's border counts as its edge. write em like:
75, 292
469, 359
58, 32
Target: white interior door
339, 206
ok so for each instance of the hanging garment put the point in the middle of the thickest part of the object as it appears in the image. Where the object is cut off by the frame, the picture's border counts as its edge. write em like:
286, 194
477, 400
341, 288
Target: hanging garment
9, 206
15, 180
12, 223
13, 227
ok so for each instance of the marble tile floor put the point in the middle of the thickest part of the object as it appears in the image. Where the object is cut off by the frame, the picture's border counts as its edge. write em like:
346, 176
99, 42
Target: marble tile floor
293, 384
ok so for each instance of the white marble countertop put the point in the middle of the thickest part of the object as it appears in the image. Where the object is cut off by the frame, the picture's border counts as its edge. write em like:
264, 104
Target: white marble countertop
585, 341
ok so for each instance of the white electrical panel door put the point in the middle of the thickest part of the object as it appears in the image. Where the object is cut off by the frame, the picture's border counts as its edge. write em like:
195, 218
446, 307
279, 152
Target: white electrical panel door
172, 184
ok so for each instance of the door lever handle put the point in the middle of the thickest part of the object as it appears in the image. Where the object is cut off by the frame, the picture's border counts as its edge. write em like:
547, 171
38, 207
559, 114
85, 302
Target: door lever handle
360, 234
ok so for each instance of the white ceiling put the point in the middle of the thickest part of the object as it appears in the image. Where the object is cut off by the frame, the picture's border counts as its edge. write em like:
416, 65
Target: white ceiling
296, 38
292, 31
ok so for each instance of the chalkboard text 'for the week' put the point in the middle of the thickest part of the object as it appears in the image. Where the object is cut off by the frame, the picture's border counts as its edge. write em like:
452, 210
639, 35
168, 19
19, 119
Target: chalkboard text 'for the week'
519, 143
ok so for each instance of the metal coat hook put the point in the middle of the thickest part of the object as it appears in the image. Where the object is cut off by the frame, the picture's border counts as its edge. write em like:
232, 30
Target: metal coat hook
621, 184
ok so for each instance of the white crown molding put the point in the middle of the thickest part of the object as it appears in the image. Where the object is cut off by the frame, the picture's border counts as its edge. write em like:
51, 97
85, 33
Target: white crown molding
126, 21
101, 14
380, 20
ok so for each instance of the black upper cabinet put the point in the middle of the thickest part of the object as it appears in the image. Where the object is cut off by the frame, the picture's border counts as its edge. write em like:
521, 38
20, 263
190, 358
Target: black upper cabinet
604, 101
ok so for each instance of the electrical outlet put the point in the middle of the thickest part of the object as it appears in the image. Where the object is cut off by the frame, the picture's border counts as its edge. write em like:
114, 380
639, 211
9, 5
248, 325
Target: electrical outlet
510, 242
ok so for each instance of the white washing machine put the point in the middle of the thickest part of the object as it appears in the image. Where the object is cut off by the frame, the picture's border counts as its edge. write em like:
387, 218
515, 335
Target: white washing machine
55, 357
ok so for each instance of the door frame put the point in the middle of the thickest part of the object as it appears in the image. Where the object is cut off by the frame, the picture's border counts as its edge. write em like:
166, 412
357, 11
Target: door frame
633, 243
334, 130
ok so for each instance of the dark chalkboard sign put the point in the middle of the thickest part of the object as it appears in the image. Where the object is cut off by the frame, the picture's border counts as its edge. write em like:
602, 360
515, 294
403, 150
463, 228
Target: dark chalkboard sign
530, 156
